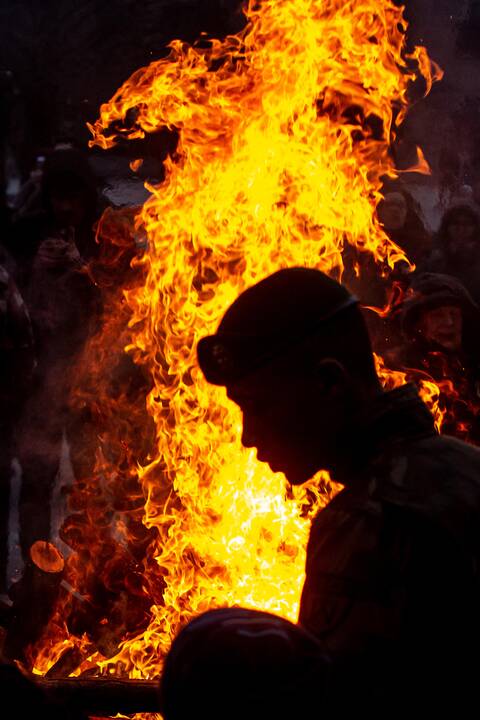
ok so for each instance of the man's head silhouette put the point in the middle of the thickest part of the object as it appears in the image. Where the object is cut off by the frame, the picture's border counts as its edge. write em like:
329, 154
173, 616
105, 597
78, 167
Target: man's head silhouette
294, 353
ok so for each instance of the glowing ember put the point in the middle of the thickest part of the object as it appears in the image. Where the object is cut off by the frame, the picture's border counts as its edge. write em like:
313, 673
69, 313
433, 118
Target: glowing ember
283, 136
136, 164
46, 557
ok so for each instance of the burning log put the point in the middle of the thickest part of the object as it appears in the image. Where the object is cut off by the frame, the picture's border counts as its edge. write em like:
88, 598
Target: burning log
66, 664
103, 697
33, 599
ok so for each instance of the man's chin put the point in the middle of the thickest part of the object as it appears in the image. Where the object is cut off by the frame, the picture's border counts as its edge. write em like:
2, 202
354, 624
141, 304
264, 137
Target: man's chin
295, 474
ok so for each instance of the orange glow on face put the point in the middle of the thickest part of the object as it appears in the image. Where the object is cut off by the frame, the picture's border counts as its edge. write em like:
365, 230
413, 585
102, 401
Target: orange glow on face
284, 133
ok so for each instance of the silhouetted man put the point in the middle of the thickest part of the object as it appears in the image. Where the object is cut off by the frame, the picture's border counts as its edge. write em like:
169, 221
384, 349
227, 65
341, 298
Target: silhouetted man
391, 588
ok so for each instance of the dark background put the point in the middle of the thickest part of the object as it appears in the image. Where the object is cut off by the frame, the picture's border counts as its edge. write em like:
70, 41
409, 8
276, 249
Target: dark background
65, 57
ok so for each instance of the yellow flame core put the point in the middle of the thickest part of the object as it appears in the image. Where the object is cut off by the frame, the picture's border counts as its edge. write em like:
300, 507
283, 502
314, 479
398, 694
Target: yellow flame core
277, 165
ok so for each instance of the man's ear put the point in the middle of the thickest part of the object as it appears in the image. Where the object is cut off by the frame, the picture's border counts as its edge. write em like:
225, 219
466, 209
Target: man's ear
331, 377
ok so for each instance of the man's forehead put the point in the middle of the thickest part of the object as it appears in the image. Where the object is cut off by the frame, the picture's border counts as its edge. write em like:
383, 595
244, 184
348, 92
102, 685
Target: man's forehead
446, 307
394, 198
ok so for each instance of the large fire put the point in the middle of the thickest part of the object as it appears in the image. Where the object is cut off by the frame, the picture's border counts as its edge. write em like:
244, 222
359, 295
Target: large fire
284, 133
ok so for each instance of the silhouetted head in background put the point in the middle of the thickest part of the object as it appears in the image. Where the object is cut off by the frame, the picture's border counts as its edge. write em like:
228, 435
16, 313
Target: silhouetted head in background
459, 234
400, 215
392, 210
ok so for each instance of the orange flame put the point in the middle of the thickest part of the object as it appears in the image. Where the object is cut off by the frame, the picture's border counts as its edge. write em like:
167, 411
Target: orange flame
284, 133
429, 391
136, 164
421, 166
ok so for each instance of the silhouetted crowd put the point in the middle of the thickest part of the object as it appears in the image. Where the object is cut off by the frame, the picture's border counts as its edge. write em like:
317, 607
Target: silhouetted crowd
430, 330
51, 307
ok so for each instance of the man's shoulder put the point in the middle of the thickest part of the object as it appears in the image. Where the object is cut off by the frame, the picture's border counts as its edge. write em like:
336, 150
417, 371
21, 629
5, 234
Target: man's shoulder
435, 464
435, 477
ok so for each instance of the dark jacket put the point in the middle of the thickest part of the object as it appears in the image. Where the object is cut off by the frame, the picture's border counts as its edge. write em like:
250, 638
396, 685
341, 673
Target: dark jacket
392, 571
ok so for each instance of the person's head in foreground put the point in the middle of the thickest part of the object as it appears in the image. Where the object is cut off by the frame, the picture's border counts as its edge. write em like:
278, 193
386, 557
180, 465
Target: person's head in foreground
294, 353
240, 664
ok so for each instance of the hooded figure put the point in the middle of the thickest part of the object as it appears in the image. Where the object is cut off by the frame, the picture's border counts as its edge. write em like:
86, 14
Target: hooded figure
52, 247
439, 324
65, 307
70, 197
400, 217
457, 248
68, 209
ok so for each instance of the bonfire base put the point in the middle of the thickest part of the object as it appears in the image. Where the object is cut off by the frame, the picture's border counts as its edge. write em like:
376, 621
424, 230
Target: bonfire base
104, 697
